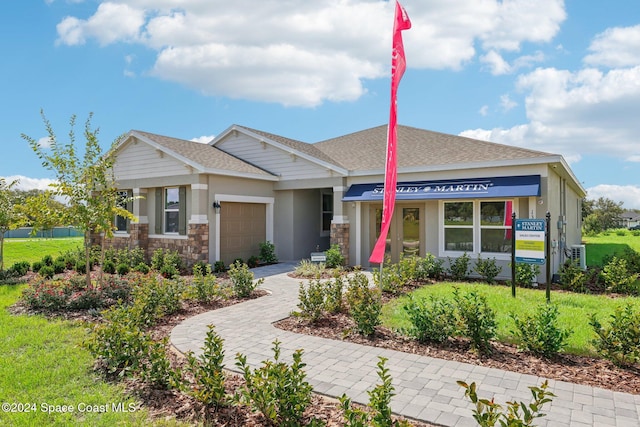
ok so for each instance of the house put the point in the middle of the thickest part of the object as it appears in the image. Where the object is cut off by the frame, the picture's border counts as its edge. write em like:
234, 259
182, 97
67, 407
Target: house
218, 201
629, 219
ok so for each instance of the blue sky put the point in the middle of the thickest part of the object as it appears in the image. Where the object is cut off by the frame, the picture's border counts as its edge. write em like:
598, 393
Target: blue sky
551, 75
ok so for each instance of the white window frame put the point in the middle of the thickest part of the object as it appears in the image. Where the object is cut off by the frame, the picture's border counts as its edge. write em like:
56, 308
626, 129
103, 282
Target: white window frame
121, 194
477, 228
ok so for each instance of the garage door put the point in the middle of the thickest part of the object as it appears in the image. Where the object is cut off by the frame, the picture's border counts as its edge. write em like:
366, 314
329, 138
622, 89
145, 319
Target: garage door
242, 229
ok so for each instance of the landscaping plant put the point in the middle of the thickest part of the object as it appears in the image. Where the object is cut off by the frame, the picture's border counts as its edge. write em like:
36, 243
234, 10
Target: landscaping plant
459, 267
364, 304
432, 320
619, 341
268, 253
477, 321
540, 333
208, 374
487, 413
487, 269
243, 280
334, 256
277, 390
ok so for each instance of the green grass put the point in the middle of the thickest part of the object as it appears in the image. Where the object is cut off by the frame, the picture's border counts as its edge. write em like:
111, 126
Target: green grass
34, 249
574, 310
602, 245
43, 363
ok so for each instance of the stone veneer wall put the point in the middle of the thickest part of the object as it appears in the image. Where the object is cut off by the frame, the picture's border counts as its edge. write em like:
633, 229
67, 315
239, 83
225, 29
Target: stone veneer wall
340, 235
192, 249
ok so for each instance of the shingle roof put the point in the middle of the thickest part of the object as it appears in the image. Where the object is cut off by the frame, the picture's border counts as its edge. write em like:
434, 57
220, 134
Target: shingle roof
365, 150
203, 154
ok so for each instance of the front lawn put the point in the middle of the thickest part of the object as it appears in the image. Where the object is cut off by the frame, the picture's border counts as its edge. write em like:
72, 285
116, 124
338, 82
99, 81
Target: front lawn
31, 250
43, 364
609, 243
574, 309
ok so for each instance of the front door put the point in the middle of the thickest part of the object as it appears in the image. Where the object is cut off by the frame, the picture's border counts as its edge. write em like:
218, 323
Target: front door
405, 233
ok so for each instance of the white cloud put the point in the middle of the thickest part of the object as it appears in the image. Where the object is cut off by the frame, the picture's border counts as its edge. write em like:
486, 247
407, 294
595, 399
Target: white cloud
484, 110
616, 47
628, 194
507, 103
45, 142
301, 52
205, 139
26, 183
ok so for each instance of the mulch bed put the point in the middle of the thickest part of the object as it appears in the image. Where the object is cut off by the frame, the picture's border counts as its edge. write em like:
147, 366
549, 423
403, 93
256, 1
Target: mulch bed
575, 369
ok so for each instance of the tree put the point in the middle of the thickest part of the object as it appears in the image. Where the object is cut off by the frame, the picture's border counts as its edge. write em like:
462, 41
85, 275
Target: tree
41, 210
10, 216
601, 214
87, 184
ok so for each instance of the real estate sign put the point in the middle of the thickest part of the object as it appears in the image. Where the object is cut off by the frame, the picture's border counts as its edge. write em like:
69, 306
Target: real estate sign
530, 238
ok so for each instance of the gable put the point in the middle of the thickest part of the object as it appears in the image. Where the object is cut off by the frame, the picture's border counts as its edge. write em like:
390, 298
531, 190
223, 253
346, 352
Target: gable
136, 159
285, 162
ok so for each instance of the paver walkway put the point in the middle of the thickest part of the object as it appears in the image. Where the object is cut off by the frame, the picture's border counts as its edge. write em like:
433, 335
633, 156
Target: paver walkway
425, 387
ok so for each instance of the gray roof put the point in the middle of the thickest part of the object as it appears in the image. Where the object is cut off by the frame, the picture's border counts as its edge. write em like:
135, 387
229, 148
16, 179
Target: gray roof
366, 150
203, 154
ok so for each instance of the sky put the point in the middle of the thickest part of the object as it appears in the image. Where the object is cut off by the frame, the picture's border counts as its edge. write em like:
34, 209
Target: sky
556, 76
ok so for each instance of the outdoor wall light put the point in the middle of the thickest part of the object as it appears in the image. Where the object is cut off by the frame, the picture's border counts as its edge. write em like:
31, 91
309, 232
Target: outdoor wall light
216, 206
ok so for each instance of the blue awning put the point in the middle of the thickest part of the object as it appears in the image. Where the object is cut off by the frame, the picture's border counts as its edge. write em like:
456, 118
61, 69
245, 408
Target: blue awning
473, 188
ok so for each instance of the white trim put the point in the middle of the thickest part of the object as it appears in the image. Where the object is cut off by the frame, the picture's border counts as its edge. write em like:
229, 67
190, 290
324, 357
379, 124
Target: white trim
142, 220
139, 191
340, 219
358, 233
175, 236
199, 219
121, 234
340, 189
198, 186
235, 198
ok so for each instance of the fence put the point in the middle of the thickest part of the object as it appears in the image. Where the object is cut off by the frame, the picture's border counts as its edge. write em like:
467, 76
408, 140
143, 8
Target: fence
25, 233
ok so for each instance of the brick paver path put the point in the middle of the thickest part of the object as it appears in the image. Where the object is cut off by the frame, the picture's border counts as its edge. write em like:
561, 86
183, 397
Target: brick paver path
425, 387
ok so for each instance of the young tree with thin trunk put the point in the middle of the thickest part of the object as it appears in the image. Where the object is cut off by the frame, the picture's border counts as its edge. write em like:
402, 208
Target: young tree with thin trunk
86, 183
10, 216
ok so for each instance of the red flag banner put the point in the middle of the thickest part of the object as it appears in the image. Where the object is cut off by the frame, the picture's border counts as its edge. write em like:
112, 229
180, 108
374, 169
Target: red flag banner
398, 65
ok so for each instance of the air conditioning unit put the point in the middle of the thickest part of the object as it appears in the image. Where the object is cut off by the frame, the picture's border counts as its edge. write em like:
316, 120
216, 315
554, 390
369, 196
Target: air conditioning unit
579, 255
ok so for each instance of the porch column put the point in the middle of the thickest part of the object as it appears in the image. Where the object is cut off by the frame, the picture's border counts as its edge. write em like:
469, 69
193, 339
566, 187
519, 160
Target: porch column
139, 228
198, 225
340, 223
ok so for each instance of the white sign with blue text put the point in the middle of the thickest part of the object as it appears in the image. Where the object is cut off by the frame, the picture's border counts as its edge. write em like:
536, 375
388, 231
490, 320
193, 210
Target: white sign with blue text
530, 238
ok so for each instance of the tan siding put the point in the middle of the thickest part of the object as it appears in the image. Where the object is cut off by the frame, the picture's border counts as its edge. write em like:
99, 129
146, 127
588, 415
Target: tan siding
142, 161
272, 159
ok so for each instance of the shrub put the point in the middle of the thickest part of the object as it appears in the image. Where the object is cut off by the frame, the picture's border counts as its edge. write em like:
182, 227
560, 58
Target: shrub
142, 268
253, 261
109, 266
540, 333
208, 372
408, 268
46, 295
432, 321
242, 280
47, 260
487, 269
619, 341
617, 278
204, 286
59, 267
123, 269
268, 253
429, 267
391, 280
219, 267
459, 267
278, 390
157, 368
379, 403
476, 319
333, 294
36, 266
169, 271
80, 266
334, 257
86, 299
487, 413
526, 274
364, 304
572, 277
46, 271
168, 263
20, 268
311, 300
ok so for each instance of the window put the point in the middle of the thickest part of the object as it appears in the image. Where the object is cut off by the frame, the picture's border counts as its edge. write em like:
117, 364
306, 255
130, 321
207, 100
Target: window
171, 210
327, 213
495, 226
458, 226
124, 202
477, 226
